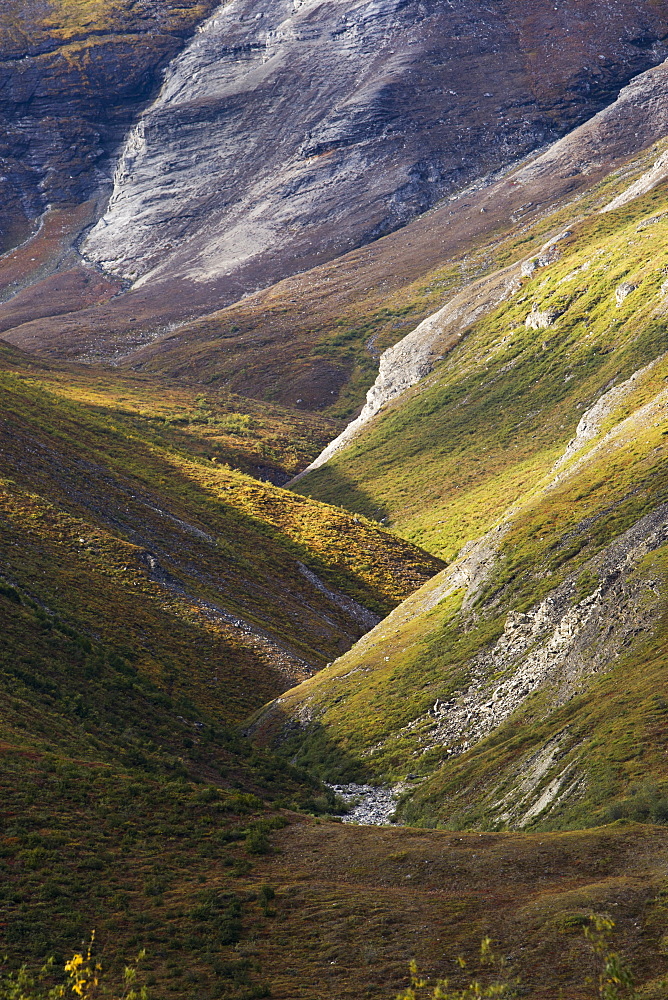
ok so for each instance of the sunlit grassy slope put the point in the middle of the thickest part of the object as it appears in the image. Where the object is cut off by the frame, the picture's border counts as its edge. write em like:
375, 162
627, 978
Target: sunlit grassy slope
489, 422
471, 448
128, 555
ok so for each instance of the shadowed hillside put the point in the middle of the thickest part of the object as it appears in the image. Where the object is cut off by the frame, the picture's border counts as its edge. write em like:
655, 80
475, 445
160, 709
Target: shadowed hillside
142, 515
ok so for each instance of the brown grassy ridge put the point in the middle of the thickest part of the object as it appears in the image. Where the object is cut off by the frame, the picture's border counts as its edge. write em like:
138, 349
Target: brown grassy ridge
346, 908
57, 22
366, 900
262, 439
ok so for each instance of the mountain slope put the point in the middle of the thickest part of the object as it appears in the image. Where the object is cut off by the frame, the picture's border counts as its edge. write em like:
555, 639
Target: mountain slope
148, 601
552, 338
314, 340
262, 177
73, 76
140, 511
534, 457
130, 803
171, 615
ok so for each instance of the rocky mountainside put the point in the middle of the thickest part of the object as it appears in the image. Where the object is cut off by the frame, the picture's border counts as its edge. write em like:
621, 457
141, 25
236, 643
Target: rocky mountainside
326, 329
73, 77
288, 133
285, 136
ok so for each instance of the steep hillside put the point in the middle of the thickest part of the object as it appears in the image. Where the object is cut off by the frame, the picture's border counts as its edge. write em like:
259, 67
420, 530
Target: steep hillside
151, 596
284, 137
73, 76
139, 511
524, 685
552, 338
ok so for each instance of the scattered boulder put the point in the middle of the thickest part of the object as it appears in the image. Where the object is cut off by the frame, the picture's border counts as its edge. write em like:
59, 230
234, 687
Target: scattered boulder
541, 320
623, 291
549, 253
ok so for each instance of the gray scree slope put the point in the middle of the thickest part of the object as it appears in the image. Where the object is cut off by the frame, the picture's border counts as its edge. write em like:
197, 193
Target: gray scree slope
288, 132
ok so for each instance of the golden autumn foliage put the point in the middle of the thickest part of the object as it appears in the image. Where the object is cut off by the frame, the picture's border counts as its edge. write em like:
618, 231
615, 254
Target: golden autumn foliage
84, 973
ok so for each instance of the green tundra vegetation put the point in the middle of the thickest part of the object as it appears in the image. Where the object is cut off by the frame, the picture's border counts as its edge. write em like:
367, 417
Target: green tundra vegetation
473, 448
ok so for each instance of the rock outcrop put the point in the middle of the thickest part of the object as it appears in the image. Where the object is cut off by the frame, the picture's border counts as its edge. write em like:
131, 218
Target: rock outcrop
657, 173
413, 358
623, 291
540, 319
73, 78
287, 134
561, 641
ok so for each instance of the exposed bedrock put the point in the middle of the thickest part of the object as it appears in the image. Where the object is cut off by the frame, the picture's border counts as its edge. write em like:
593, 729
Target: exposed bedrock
145, 327
413, 357
73, 78
287, 132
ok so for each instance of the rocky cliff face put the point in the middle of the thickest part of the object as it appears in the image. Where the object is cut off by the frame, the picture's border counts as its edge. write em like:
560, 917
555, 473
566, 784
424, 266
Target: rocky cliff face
290, 132
73, 77
280, 140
